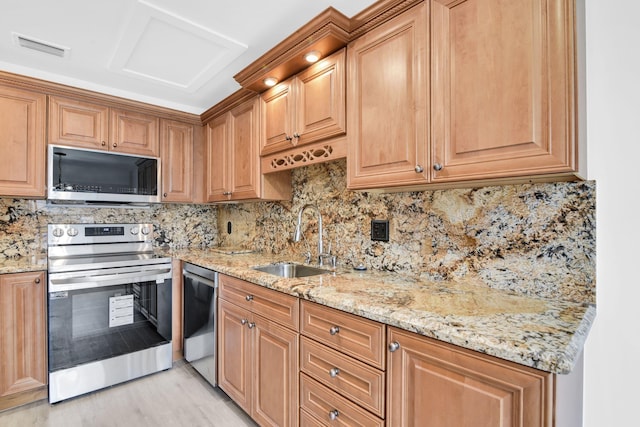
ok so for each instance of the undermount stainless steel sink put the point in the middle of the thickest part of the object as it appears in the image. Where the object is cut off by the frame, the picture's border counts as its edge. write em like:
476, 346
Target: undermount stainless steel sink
290, 270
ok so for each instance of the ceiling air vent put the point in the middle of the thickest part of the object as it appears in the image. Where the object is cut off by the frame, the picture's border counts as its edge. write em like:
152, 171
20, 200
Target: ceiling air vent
40, 46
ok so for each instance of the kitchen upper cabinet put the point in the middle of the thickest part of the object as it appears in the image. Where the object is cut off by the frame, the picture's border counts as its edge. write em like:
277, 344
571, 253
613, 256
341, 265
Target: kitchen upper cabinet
22, 143
453, 93
503, 89
232, 154
257, 352
23, 339
387, 95
176, 154
434, 384
306, 108
233, 167
134, 133
88, 125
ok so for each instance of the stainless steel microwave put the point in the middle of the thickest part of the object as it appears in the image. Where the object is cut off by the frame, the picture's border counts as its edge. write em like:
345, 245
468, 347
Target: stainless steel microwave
79, 174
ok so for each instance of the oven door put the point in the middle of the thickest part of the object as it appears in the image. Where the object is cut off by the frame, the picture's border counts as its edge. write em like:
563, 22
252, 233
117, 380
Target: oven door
100, 314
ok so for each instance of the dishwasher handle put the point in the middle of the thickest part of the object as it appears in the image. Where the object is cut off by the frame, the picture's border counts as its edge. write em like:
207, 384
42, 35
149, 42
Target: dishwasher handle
210, 283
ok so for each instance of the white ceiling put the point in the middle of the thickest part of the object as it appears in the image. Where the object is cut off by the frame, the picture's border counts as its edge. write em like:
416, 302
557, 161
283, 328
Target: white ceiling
176, 54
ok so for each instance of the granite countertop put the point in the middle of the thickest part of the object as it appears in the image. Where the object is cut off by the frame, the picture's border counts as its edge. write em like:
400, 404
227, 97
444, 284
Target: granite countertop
540, 333
23, 264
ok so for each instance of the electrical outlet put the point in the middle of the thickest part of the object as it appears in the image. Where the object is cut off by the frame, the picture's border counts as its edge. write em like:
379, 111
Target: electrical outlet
380, 230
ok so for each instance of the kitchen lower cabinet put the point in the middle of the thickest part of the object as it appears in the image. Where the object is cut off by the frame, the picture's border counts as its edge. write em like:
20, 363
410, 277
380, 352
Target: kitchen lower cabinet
22, 143
435, 384
257, 356
23, 340
342, 379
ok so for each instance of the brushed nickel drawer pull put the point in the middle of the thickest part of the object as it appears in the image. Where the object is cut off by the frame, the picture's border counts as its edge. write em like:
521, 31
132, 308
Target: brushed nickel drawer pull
334, 372
334, 330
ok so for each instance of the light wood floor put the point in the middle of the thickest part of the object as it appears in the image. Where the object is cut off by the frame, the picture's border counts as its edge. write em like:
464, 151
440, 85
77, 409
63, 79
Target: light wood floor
176, 397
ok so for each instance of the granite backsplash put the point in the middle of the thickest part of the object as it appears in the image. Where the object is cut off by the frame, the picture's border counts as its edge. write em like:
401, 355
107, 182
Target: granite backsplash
23, 223
534, 239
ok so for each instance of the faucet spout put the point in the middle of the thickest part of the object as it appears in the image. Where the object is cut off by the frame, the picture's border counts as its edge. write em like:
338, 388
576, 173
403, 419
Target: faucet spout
298, 233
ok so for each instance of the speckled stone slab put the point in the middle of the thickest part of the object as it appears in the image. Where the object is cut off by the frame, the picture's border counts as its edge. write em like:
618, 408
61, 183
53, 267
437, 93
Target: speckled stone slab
541, 333
23, 264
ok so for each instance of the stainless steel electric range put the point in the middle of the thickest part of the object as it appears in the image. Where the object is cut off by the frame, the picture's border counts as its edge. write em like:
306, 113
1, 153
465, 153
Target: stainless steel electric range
109, 307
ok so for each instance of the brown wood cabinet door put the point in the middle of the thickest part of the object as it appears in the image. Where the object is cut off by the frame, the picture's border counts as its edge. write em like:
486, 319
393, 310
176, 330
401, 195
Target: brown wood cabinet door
387, 97
134, 133
320, 100
77, 123
234, 353
275, 374
503, 88
23, 348
216, 159
22, 143
278, 115
243, 154
433, 384
176, 151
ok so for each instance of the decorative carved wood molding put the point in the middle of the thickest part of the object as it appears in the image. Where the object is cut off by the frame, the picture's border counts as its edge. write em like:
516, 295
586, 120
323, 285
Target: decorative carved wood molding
320, 152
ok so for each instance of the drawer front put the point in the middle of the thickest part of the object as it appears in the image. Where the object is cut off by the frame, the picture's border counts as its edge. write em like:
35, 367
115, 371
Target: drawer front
307, 420
356, 336
273, 305
321, 403
355, 380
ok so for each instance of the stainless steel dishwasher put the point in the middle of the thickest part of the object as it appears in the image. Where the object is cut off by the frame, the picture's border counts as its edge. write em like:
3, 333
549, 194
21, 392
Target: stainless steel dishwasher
200, 330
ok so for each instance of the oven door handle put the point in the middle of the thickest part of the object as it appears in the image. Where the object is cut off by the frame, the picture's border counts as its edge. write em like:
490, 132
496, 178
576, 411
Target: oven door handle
97, 281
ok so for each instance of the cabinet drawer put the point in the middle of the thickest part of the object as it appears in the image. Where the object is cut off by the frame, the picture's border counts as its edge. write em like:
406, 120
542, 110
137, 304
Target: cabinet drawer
273, 305
359, 382
321, 402
356, 336
307, 420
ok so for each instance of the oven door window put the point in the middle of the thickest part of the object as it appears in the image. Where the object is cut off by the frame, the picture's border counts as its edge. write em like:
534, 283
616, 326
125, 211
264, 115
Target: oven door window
93, 324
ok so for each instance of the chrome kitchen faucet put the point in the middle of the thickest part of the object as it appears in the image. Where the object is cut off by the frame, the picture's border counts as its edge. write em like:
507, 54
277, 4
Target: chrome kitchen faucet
298, 232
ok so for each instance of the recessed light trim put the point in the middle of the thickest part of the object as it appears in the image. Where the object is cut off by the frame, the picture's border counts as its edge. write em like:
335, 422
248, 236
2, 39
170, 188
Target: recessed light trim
312, 56
270, 81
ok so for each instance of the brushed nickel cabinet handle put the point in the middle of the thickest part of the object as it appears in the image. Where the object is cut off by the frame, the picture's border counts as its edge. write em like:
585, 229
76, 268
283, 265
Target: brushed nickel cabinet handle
249, 297
394, 346
37, 281
334, 372
251, 325
334, 330
419, 169
333, 414
438, 167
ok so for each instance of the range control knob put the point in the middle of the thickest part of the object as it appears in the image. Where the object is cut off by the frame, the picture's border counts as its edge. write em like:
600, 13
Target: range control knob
72, 231
134, 230
58, 232
145, 230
